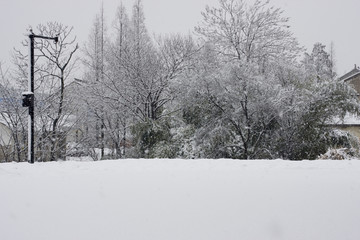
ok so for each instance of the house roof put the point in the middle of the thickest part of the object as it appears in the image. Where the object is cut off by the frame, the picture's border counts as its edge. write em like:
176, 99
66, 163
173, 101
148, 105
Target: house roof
353, 73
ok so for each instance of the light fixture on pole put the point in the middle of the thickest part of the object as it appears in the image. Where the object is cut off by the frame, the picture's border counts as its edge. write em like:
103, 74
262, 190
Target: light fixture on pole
29, 97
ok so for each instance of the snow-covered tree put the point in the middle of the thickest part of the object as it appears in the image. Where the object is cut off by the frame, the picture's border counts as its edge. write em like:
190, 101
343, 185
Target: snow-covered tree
143, 73
94, 85
249, 97
249, 41
320, 63
255, 32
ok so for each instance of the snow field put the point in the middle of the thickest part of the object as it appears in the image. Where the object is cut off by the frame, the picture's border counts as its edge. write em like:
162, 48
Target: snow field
180, 200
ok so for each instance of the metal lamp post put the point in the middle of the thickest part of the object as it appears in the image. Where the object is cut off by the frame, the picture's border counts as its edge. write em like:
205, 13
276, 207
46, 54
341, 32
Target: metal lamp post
29, 98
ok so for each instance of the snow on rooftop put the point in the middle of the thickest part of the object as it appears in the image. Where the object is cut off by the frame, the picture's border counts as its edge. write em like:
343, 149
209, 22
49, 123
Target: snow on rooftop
180, 200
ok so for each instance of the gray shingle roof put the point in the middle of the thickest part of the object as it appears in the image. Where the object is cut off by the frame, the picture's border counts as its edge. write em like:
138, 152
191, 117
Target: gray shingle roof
351, 74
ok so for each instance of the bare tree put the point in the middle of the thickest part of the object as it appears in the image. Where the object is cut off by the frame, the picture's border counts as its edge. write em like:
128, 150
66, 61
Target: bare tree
54, 64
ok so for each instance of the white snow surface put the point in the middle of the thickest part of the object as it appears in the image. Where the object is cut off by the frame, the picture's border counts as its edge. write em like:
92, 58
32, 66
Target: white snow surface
180, 200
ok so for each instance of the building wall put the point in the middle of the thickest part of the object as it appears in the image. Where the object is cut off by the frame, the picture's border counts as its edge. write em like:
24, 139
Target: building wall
5, 135
355, 82
353, 129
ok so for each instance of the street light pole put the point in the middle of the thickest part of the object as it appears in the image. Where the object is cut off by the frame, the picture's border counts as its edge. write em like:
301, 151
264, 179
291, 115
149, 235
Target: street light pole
31, 122
29, 97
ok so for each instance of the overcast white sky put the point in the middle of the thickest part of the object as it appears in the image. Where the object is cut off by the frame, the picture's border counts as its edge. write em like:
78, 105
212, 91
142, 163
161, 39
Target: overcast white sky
311, 21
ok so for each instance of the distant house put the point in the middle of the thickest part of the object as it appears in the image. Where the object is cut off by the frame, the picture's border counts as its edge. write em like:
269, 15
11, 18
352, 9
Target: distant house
350, 123
353, 78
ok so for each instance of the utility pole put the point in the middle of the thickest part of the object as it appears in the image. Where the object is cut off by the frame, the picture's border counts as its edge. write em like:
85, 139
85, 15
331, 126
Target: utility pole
29, 97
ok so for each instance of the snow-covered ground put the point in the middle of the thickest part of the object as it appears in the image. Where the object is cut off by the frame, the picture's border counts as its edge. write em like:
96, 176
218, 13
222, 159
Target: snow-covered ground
180, 200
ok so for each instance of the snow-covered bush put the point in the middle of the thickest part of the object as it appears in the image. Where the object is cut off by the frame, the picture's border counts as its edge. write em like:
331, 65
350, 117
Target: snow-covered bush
342, 139
340, 154
343, 145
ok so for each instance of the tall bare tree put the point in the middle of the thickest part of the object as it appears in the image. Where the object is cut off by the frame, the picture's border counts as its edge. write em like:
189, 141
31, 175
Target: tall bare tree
95, 77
